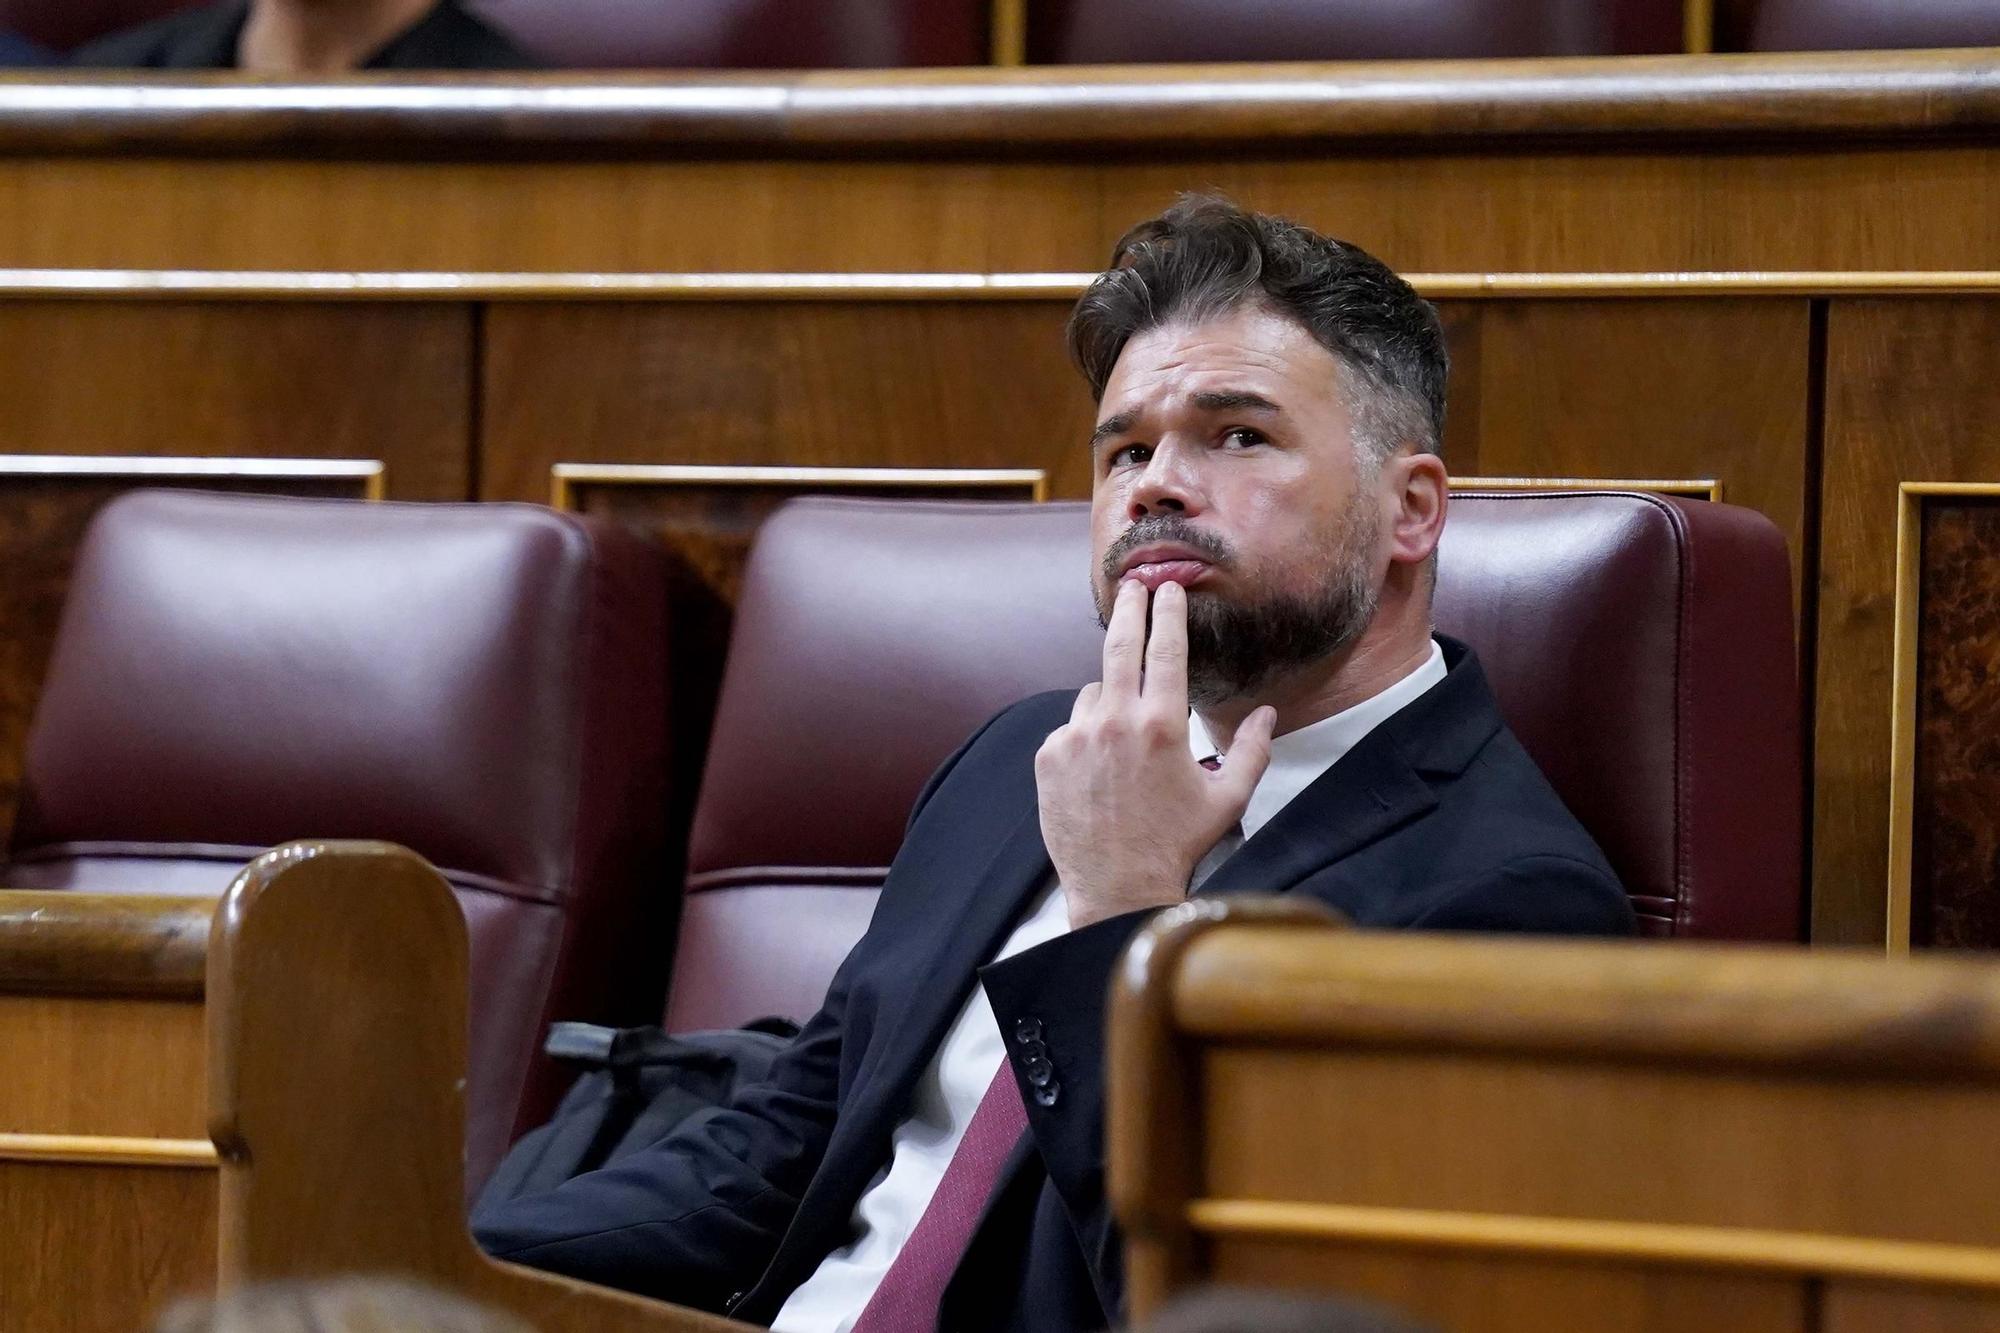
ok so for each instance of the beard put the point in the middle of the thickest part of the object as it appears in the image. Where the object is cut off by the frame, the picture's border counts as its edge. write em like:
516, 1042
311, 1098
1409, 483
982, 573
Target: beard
1235, 647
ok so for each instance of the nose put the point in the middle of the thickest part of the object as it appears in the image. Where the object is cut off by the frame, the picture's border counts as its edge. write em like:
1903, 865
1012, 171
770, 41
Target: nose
1168, 484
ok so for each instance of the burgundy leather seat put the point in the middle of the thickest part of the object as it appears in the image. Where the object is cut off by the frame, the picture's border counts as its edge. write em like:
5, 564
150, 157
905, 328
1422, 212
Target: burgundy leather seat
1074, 32
482, 683
1641, 647
744, 34
1842, 25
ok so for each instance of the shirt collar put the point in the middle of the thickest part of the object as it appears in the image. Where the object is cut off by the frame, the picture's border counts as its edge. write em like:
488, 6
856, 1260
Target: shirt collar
1299, 757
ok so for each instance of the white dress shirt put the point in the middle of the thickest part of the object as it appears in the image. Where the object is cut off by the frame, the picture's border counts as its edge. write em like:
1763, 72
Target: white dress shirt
952, 1085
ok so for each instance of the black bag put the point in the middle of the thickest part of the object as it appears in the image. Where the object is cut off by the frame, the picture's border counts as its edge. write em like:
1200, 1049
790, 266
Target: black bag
639, 1085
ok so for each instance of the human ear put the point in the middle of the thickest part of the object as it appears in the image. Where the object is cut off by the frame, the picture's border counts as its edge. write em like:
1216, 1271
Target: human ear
1421, 494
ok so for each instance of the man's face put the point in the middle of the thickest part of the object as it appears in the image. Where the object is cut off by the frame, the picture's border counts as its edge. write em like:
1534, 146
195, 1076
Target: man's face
1225, 461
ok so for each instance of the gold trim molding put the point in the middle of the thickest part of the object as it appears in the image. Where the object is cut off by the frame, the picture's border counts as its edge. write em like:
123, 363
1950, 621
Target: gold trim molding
371, 473
250, 285
107, 1150
1714, 1247
1703, 488
565, 477
1910, 497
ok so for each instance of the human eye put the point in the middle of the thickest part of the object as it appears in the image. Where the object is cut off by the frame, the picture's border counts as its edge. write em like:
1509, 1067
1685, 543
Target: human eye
1242, 437
1131, 455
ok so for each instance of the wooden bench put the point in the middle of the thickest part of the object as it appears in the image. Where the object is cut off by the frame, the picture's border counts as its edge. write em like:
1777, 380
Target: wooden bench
203, 1094
1527, 1135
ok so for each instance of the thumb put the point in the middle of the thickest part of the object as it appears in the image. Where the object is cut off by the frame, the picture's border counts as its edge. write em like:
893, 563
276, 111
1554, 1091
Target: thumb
1249, 754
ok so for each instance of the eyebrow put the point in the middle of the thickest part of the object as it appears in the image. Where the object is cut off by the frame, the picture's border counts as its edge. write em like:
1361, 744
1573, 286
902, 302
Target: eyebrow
1113, 425
1223, 400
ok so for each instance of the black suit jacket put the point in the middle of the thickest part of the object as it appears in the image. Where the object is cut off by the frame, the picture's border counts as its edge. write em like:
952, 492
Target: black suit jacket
1436, 820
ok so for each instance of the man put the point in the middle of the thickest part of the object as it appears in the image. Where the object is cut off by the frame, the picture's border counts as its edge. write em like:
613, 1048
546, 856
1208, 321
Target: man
304, 38
1267, 502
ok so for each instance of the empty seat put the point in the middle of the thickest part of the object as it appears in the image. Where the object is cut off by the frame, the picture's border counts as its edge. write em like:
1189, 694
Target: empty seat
484, 684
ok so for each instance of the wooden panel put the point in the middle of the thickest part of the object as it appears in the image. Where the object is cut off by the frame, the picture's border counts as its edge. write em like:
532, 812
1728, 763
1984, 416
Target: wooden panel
280, 379
1910, 396
1638, 388
1955, 845
90, 1248
907, 384
43, 516
708, 517
1552, 209
102, 1066
1498, 1294
1860, 1307
1745, 1150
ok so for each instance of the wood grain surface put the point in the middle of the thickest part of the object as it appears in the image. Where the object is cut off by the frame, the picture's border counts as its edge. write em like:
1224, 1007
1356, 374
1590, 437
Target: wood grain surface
102, 1065
1955, 870
1910, 396
1884, 93
1516, 1135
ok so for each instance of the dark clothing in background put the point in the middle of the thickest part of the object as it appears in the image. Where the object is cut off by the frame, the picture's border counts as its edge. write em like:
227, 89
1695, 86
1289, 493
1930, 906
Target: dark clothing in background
17, 52
206, 38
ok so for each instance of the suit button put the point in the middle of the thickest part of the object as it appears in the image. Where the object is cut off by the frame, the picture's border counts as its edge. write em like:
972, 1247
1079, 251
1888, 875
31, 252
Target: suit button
1046, 1095
1027, 1030
1040, 1072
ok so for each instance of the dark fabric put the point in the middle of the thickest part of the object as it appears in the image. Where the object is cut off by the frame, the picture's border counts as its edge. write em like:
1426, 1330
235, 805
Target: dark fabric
445, 38
637, 1086
17, 52
484, 684
1437, 820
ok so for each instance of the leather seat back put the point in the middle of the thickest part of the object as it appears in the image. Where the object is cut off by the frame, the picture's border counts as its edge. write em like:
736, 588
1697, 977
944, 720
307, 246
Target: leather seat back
1641, 647
484, 684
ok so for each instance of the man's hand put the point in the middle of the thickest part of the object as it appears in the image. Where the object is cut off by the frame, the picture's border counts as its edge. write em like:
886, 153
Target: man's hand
1126, 810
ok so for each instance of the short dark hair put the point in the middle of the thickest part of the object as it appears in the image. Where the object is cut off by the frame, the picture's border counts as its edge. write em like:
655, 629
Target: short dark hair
1205, 256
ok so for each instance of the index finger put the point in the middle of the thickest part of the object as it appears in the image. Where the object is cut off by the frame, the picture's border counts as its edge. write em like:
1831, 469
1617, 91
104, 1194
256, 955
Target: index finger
1167, 649
1125, 640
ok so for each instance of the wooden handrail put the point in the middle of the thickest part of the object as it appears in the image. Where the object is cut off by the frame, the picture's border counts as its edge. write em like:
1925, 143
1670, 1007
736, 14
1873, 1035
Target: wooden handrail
1876, 95
108, 944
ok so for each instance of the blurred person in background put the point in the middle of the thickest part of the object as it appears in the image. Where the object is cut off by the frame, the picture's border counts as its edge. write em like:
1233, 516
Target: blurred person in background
337, 1305
309, 37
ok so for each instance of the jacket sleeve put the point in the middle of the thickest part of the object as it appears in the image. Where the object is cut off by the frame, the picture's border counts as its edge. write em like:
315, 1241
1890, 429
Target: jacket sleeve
698, 1216
1050, 1003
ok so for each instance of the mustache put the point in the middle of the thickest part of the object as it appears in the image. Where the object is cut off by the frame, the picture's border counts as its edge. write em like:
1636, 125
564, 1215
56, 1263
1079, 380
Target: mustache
1165, 528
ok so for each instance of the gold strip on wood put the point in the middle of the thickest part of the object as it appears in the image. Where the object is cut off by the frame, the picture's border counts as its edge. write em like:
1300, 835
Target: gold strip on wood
1009, 33
1715, 1247
1703, 488
106, 1150
1697, 26
179, 284
1908, 610
564, 477
370, 472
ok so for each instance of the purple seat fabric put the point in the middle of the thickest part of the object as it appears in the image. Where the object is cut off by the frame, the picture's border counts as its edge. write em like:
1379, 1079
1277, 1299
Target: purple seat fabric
1641, 647
1073, 32
1841, 25
484, 684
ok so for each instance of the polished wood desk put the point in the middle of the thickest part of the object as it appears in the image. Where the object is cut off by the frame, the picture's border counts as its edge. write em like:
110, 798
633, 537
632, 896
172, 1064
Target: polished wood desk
1873, 160
1511, 1136
267, 1087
